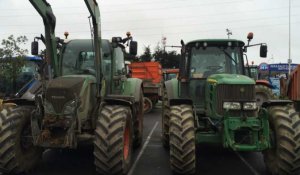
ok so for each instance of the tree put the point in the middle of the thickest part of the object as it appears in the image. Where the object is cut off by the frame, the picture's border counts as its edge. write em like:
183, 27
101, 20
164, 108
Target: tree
11, 61
171, 60
11, 47
146, 56
168, 59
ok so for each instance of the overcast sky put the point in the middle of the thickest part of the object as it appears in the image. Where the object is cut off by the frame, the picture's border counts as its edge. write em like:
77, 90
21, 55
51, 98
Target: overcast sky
150, 20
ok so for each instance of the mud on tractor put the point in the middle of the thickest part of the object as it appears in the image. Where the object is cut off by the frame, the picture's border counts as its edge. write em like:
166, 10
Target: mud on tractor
214, 102
87, 99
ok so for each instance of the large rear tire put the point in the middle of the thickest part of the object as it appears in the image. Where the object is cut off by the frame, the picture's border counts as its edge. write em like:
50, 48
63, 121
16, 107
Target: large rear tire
182, 140
113, 140
263, 94
17, 152
284, 156
165, 120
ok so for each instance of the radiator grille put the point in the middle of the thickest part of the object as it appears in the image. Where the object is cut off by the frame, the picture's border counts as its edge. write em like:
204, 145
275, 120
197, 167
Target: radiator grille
238, 93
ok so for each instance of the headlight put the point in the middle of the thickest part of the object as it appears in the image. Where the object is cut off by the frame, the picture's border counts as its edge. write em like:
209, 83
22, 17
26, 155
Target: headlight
232, 105
69, 107
250, 106
48, 107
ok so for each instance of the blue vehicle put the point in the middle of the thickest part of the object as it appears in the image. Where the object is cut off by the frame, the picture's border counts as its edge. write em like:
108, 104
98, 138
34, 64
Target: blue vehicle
20, 82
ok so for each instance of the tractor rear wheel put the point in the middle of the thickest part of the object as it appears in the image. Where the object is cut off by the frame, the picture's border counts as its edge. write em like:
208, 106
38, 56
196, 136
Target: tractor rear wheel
182, 140
284, 156
113, 140
17, 152
263, 94
165, 120
148, 105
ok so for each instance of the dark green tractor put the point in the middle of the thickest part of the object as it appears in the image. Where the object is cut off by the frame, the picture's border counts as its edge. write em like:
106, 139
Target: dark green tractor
85, 99
213, 102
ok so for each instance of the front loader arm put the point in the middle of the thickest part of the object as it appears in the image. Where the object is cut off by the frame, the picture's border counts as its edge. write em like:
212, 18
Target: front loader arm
93, 8
49, 19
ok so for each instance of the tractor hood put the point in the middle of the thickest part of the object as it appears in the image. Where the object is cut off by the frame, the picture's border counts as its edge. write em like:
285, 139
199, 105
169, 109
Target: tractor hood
64, 89
230, 79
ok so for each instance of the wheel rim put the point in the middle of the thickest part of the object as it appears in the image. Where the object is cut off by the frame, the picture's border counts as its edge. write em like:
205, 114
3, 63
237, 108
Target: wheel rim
126, 142
146, 105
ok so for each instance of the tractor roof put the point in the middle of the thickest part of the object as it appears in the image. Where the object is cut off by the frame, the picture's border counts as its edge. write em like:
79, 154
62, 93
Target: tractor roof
218, 42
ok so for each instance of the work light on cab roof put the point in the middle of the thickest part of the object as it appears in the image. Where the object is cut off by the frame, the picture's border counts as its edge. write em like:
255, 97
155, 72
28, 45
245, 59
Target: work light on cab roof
66, 34
250, 36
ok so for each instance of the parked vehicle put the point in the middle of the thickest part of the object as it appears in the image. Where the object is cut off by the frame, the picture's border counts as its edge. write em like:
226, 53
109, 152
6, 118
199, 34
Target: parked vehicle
151, 74
87, 99
290, 87
213, 102
21, 82
169, 74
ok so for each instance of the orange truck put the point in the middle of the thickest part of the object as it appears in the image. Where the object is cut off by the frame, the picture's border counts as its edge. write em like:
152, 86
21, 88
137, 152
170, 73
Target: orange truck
291, 87
151, 74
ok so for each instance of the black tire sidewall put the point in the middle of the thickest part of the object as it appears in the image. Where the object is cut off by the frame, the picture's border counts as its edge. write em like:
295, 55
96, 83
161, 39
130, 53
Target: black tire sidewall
25, 159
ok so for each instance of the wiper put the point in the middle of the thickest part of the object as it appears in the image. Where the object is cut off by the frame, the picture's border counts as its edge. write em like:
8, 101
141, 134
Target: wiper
226, 53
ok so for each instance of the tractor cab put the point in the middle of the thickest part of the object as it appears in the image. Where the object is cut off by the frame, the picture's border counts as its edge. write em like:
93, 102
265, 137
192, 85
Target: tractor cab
205, 58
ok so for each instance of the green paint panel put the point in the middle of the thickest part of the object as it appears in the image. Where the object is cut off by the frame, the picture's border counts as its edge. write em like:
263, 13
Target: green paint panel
231, 79
249, 134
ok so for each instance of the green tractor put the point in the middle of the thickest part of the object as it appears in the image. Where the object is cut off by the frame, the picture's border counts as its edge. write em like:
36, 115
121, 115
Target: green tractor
85, 99
213, 102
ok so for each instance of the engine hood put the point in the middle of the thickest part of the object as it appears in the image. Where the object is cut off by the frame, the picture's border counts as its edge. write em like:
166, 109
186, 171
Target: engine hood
230, 79
63, 89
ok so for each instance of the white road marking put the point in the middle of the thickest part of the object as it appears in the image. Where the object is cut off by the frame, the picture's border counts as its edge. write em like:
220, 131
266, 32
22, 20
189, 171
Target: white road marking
142, 150
247, 164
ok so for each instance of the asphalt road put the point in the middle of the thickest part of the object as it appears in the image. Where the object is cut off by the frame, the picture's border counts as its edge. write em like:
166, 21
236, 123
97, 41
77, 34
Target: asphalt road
152, 158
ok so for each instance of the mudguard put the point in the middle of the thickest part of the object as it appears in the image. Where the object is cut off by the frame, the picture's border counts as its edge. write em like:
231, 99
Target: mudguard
276, 102
265, 83
133, 87
172, 88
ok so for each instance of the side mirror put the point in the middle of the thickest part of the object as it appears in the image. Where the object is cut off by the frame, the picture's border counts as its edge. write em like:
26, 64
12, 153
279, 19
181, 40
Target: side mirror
263, 50
34, 48
133, 48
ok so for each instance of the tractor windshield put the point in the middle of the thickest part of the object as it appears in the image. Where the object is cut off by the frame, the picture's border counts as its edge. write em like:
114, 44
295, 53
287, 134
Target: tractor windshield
215, 60
78, 57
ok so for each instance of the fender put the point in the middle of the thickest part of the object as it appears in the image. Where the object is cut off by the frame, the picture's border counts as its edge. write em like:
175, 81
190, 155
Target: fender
172, 88
133, 87
276, 102
264, 83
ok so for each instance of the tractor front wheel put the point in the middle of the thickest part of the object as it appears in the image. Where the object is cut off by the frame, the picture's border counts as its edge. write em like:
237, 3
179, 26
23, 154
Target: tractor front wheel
18, 154
113, 140
284, 156
182, 140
